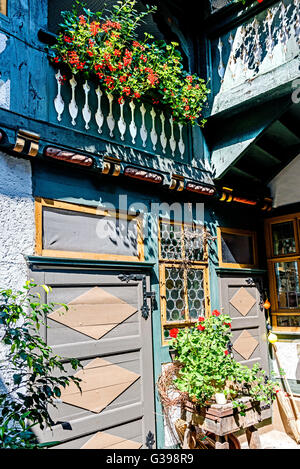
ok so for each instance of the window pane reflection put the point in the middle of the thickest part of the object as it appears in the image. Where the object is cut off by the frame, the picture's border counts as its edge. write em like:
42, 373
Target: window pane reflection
283, 238
287, 284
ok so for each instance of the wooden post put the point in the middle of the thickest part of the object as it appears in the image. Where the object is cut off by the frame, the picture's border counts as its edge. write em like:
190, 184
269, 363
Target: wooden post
220, 443
253, 438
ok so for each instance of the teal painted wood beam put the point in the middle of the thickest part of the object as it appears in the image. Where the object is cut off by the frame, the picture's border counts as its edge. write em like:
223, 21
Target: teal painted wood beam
243, 173
233, 271
58, 261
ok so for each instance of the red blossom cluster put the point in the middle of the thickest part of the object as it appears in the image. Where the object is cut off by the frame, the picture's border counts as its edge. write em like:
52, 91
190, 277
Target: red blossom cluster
68, 39
110, 25
94, 27
138, 45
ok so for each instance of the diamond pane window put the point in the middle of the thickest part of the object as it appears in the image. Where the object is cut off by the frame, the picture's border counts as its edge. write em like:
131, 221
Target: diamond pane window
175, 294
194, 243
183, 275
171, 241
196, 296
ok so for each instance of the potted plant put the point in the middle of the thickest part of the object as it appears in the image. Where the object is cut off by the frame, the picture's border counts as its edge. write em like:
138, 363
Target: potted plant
207, 370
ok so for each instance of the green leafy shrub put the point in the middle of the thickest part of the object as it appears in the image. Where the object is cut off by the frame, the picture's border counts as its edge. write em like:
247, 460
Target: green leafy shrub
208, 366
104, 47
30, 364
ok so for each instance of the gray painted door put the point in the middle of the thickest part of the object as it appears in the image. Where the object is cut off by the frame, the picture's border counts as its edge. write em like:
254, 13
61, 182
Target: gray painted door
240, 298
104, 329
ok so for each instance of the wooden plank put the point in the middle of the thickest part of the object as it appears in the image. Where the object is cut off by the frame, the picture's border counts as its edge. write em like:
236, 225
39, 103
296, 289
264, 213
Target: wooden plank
253, 438
104, 440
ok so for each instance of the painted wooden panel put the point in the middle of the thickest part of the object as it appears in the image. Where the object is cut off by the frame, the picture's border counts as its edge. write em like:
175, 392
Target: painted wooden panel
116, 377
116, 437
240, 298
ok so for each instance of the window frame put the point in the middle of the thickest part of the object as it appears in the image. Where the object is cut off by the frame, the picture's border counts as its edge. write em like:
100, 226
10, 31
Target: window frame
51, 203
177, 263
5, 8
239, 232
273, 259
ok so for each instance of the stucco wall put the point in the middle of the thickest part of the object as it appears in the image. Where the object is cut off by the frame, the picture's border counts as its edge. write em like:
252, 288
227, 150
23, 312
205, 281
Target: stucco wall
16, 224
16, 220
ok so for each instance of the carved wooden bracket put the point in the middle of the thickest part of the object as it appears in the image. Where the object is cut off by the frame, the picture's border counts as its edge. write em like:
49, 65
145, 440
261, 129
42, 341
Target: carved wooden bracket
177, 183
68, 156
143, 175
27, 142
200, 189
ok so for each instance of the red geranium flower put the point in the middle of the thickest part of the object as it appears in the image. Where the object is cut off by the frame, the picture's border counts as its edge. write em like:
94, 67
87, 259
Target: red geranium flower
227, 324
226, 352
216, 313
201, 319
200, 328
173, 333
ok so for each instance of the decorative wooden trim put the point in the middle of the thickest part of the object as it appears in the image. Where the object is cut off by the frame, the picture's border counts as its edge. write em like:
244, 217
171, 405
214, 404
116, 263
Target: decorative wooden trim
236, 231
68, 156
41, 202
3, 7
38, 226
27, 142
143, 175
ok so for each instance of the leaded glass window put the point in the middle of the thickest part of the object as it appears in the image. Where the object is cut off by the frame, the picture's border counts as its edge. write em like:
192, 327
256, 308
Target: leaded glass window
183, 275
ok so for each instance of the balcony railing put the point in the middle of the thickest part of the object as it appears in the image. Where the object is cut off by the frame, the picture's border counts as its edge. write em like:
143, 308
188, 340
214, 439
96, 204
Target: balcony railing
257, 46
84, 106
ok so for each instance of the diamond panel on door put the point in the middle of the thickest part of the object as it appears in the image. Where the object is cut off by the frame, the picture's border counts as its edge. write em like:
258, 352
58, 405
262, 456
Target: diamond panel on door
245, 344
104, 440
243, 301
102, 382
94, 313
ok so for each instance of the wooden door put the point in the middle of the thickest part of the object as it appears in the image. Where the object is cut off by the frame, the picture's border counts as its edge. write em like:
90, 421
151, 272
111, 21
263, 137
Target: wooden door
106, 328
241, 299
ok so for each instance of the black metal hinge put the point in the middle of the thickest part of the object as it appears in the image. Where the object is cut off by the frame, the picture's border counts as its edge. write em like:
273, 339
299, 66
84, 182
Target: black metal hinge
145, 310
150, 440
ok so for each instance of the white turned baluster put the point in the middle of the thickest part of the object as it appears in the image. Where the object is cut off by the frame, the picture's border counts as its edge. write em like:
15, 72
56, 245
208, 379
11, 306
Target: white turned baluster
181, 144
143, 130
73, 108
99, 114
153, 131
58, 101
163, 137
86, 112
132, 127
172, 139
121, 122
110, 118
221, 68
232, 59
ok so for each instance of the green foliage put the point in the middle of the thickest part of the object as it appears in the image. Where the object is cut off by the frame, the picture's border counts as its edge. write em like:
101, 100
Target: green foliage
31, 365
208, 365
103, 46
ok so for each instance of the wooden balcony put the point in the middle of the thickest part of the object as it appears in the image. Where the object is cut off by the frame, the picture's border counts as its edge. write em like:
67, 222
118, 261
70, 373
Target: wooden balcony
84, 106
